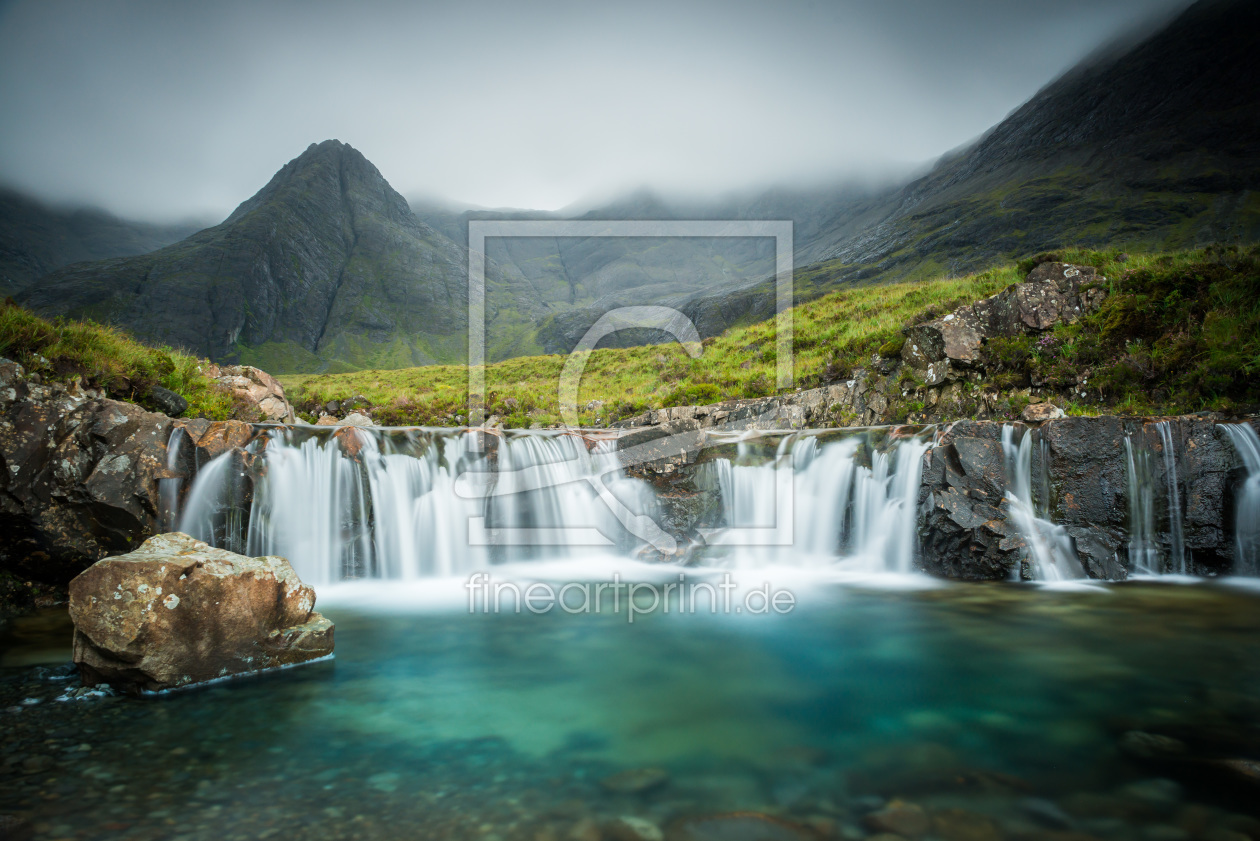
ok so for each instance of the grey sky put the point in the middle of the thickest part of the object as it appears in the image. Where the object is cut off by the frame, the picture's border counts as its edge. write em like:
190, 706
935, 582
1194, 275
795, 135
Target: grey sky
162, 110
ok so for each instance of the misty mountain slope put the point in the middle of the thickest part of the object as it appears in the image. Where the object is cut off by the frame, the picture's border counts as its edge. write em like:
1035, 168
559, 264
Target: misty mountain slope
326, 267
36, 239
1153, 146
1158, 145
581, 278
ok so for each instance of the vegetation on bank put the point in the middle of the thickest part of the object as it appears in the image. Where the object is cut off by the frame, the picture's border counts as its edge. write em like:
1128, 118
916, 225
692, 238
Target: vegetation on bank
1178, 332
108, 359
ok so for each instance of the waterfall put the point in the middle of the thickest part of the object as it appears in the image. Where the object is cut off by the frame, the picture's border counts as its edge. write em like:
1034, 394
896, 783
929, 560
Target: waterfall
402, 504
1049, 546
168, 489
842, 512
212, 512
1146, 552
1247, 514
311, 508
1143, 539
1177, 559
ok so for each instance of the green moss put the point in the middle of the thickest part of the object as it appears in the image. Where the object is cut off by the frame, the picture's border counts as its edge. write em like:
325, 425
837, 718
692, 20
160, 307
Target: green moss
892, 347
108, 358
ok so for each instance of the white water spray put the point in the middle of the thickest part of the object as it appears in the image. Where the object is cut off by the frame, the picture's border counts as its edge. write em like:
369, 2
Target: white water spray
843, 513
1049, 546
1247, 513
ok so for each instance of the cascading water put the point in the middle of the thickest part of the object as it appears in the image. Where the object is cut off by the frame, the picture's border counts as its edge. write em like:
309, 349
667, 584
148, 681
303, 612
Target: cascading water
1049, 546
169, 488
1146, 551
212, 511
1247, 514
398, 503
1177, 559
843, 512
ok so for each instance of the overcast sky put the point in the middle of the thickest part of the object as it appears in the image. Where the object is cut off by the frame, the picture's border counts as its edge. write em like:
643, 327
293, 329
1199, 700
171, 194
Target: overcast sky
166, 110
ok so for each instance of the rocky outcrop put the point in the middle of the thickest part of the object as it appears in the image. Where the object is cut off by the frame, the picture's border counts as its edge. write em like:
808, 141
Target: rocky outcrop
965, 526
1053, 293
965, 529
78, 475
177, 612
937, 375
255, 389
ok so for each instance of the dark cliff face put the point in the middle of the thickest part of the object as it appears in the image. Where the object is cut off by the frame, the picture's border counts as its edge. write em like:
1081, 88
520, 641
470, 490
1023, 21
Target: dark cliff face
326, 262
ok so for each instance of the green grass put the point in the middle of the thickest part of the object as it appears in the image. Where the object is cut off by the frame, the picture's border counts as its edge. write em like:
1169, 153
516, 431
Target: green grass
833, 335
110, 359
1179, 332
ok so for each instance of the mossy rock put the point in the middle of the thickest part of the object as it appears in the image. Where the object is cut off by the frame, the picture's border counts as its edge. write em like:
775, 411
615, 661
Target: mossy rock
892, 348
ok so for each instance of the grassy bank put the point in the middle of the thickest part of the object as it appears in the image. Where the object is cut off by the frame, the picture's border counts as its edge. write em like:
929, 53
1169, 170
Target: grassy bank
1178, 332
107, 358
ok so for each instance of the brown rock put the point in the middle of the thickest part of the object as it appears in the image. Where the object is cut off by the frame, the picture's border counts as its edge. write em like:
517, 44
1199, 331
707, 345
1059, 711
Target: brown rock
1040, 412
215, 438
257, 388
177, 612
900, 818
628, 828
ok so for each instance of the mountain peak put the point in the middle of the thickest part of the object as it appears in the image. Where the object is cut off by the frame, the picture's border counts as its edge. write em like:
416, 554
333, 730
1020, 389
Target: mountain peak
327, 258
334, 175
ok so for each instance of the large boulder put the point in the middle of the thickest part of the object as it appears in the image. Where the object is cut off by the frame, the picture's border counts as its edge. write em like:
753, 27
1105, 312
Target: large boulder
255, 388
1053, 293
78, 476
177, 612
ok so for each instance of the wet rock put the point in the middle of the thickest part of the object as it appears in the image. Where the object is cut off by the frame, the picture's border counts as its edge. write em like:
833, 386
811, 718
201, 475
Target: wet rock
37, 764
899, 818
1245, 771
214, 438
635, 780
168, 401
177, 612
738, 826
1142, 745
628, 828
1047, 813
359, 419
1159, 793
964, 528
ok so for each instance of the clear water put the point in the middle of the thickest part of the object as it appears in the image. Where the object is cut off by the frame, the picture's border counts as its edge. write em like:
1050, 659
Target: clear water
435, 723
